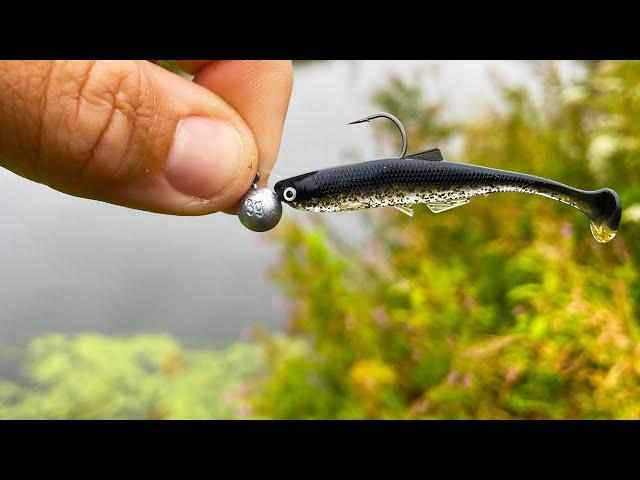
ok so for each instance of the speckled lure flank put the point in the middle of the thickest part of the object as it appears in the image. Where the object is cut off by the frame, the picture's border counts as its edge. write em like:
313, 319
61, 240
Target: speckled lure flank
427, 178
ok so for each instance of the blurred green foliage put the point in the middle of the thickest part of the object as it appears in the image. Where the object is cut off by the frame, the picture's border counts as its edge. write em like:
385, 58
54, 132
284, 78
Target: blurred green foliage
503, 308
140, 377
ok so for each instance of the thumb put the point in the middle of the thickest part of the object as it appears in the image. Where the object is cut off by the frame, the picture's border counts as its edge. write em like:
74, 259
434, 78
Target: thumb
129, 133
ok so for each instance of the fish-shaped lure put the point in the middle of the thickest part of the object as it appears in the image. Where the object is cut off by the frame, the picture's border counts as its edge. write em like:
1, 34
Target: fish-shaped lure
427, 178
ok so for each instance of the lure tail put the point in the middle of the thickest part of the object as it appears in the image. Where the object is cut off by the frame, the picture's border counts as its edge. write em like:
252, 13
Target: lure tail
603, 208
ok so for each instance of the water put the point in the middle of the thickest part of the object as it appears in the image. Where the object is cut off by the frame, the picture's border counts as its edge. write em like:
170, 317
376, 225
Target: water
71, 265
602, 232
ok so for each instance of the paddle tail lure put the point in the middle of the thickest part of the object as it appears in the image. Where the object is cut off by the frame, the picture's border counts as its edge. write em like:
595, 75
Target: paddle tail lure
441, 185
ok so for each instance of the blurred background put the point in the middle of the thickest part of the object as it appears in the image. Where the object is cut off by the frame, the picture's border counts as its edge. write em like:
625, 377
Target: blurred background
504, 308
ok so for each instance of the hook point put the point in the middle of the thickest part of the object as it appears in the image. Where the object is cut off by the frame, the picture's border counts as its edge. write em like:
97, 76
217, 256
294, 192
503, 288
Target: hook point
397, 122
362, 120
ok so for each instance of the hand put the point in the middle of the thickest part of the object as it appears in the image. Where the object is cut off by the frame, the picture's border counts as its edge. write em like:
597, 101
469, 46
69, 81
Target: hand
134, 134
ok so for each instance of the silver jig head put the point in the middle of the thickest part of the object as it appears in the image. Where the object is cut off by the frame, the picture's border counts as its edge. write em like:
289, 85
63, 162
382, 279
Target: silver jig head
394, 120
260, 209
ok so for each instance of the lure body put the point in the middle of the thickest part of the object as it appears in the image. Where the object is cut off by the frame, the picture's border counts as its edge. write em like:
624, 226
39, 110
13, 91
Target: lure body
441, 185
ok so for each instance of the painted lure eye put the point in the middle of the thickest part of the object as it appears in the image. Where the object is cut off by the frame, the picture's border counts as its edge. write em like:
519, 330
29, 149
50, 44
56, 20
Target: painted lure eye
289, 194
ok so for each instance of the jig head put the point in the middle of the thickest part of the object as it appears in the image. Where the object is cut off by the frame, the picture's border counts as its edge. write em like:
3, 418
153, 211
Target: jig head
260, 209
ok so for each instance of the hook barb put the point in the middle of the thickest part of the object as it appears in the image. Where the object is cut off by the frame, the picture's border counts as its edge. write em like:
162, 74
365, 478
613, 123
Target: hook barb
397, 122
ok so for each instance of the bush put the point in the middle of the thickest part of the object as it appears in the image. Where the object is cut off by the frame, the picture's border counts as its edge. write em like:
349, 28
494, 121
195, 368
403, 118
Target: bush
140, 377
503, 308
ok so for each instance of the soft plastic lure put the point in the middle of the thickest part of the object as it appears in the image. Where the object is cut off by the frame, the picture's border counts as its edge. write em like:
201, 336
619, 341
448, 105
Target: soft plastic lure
427, 178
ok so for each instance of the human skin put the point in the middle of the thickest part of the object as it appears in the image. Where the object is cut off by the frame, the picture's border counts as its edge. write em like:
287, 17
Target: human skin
134, 134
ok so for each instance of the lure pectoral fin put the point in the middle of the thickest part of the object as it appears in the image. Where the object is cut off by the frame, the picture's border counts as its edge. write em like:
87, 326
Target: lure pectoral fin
406, 210
434, 207
444, 206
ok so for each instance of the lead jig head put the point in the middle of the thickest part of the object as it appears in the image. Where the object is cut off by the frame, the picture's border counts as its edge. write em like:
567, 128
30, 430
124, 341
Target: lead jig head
260, 209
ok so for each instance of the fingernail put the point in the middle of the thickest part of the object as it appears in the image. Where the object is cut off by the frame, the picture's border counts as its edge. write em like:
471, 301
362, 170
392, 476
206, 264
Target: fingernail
205, 157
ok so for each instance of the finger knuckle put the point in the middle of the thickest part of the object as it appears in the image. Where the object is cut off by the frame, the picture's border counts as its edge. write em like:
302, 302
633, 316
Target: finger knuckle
95, 119
110, 118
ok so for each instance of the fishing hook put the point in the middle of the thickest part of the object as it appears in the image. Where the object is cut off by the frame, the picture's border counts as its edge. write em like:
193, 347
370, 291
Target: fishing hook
397, 122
